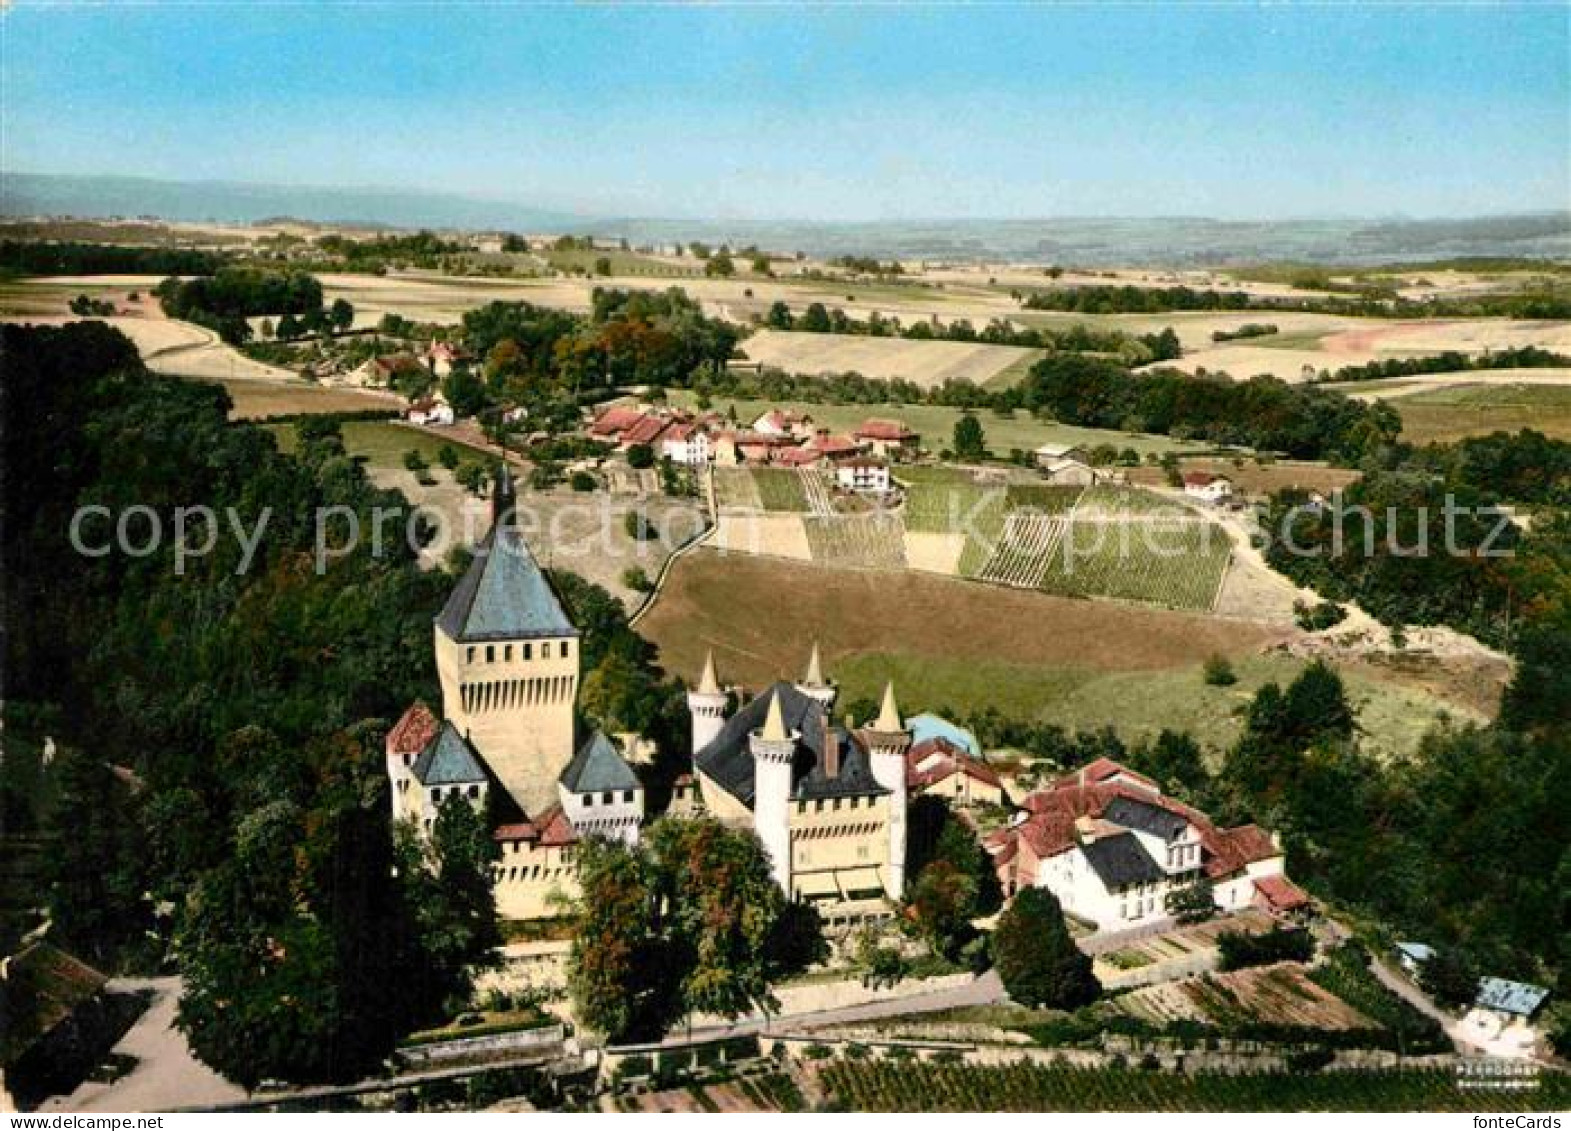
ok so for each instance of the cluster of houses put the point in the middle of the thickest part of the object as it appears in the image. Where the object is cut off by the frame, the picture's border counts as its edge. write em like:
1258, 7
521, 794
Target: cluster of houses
1112, 847
778, 438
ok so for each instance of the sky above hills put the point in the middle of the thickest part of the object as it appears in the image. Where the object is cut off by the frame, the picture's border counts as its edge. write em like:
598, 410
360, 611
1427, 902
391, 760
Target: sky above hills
824, 113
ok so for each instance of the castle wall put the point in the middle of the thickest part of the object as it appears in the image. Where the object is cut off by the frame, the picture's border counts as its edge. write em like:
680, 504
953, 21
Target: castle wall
530, 881
837, 846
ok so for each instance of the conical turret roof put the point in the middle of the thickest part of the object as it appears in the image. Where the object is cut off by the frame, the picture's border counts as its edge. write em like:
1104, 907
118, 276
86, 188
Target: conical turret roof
708, 684
774, 723
888, 714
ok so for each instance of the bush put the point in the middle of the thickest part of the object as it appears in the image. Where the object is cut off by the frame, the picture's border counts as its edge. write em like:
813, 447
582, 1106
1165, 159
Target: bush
1316, 618
1280, 944
583, 481
636, 579
640, 456
1219, 672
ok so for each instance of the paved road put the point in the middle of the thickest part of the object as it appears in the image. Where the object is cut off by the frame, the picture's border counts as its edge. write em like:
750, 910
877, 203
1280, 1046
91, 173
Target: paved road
167, 1075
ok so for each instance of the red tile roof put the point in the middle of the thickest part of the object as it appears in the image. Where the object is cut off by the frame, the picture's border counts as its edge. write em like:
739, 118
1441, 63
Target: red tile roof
413, 732
1049, 828
832, 445
551, 829
796, 457
1280, 893
1201, 479
614, 420
646, 431
884, 430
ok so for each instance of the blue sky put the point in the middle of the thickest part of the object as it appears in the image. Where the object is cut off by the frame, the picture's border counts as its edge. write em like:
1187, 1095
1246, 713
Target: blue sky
852, 113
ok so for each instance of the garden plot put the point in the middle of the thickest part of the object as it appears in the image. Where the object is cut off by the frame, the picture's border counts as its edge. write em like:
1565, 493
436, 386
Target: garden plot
873, 541
780, 489
1272, 995
816, 490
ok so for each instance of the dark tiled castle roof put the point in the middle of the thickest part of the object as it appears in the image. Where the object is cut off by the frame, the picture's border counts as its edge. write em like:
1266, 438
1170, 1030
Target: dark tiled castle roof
448, 760
728, 760
504, 595
597, 767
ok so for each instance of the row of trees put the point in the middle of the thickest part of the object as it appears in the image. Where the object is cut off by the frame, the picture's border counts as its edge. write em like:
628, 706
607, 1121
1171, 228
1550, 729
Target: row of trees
225, 300
1367, 303
26, 257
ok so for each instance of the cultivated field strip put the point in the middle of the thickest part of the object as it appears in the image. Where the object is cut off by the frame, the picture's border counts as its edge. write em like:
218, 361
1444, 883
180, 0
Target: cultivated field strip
816, 491
1163, 560
872, 541
780, 489
1023, 552
735, 489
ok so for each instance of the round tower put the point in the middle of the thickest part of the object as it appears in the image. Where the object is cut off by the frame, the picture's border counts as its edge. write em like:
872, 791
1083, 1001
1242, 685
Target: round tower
773, 748
706, 706
887, 741
815, 686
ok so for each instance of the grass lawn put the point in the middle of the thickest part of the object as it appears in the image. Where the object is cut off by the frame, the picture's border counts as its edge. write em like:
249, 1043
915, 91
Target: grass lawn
384, 442
622, 263
1444, 415
954, 645
936, 424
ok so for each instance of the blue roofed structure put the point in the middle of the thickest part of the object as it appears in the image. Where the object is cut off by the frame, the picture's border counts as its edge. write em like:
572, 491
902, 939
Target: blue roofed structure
448, 759
1521, 999
597, 768
504, 595
924, 727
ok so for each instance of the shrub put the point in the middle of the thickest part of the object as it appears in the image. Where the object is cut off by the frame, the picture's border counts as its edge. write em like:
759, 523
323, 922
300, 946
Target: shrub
1219, 671
640, 456
1280, 944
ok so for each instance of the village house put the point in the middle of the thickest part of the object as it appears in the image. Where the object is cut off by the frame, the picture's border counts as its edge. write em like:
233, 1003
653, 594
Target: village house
1206, 487
442, 356
862, 475
832, 447
889, 439
432, 411
940, 768
1112, 847
687, 443
783, 422
380, 372
1070, 472
1050, 453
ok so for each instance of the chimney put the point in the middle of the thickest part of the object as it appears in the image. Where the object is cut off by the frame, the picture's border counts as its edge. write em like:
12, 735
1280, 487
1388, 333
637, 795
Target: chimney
831, 750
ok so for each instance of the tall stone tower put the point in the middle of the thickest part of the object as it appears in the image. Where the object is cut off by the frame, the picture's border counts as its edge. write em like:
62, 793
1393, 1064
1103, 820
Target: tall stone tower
814, 685
887, 741
772, 747
706, 706
507, 656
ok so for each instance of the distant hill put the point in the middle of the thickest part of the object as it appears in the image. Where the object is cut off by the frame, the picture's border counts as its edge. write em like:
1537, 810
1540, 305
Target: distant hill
232, 202
1069, 241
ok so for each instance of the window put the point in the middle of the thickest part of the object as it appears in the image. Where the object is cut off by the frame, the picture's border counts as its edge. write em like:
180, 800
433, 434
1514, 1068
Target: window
837, 805
564, 649
507, 652
589, 800
818, 806
529, 651
490, 653
469, 654
627, 795
607, 797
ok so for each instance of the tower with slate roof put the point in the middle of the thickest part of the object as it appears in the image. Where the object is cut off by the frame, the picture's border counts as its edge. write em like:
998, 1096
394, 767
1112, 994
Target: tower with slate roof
706, 706
507, 657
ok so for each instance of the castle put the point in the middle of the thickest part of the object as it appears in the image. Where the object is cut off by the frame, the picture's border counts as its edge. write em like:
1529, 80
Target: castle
827, 802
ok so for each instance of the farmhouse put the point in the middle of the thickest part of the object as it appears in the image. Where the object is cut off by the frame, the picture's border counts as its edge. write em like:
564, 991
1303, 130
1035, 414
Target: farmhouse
1112, 847
782, 422
686, 442
1070, 472
863, 475
380, 372
1207, 487
1052, 453
433, 411
890, 439
442, 356
832, 447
